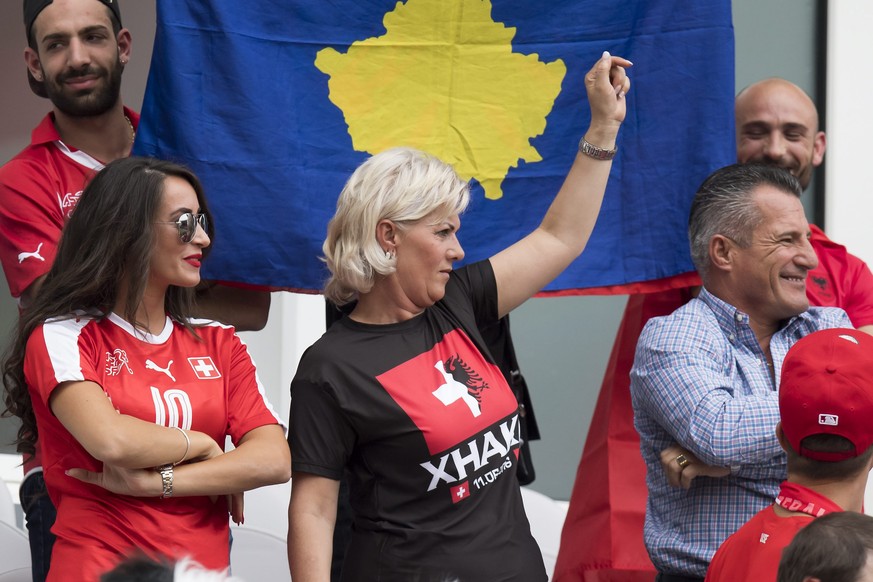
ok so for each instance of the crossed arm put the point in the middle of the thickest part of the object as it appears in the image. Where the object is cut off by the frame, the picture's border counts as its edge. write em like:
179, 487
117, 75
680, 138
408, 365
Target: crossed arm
129, 449
689, 388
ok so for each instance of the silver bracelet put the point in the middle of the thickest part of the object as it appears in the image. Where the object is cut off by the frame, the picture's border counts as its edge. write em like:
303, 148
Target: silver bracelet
592, 151
187, 446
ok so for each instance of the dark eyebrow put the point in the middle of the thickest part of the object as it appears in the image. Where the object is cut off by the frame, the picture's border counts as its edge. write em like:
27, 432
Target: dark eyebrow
182, 210
791, 233
95, 28
54, 36
755, 125
795, 127
87, 30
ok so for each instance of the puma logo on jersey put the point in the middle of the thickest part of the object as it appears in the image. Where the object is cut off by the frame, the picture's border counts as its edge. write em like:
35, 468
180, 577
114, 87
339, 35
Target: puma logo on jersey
462, 383
34, 255
116, 361
150, 365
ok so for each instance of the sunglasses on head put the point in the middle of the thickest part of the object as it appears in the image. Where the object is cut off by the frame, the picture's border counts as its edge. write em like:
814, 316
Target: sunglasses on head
187, 225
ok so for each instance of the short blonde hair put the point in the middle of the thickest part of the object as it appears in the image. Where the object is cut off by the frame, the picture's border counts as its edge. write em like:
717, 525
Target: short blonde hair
402, 185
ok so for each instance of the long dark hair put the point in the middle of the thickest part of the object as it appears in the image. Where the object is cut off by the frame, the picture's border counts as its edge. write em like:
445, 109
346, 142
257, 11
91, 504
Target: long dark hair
108, 240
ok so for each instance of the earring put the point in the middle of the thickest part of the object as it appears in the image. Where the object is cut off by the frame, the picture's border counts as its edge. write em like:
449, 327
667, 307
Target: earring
38, 77
389, 255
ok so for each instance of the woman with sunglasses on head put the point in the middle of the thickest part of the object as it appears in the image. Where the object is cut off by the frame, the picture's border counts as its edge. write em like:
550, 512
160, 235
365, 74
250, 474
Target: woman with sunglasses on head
130, 397
400, 395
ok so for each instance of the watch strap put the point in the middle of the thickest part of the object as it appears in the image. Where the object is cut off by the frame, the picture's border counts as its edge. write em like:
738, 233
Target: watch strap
166, 472
592, 151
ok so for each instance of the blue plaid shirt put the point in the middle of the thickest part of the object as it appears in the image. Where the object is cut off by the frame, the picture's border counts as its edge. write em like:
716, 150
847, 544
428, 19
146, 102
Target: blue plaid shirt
700, 379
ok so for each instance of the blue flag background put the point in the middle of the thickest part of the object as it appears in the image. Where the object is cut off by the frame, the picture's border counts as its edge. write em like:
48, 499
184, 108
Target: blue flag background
234, 93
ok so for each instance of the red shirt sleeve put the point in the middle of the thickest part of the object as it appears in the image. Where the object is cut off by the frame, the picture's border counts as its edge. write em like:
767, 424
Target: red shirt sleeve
840, 280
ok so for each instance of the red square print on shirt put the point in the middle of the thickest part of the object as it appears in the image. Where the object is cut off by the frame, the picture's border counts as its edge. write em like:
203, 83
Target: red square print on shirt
450, 392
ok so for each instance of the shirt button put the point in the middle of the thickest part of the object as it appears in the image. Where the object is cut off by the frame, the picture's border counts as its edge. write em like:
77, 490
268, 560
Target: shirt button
739, 317
732, 338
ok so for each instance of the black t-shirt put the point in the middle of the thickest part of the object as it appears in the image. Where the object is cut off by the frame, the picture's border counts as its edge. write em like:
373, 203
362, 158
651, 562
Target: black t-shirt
428, 430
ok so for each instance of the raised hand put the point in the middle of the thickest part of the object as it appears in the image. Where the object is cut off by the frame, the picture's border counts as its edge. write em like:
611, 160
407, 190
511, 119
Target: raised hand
607, 85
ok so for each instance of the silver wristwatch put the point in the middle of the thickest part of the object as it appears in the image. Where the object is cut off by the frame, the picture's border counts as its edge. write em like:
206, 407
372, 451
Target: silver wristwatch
166, 472
592, 151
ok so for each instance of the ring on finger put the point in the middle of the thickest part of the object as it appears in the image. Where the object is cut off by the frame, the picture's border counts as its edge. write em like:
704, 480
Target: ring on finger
682, 461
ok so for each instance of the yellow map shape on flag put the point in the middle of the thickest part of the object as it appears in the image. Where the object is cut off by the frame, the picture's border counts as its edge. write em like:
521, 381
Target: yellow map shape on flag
444, 79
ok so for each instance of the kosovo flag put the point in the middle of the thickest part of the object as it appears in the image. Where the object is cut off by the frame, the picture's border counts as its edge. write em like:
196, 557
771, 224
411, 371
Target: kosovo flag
274, 104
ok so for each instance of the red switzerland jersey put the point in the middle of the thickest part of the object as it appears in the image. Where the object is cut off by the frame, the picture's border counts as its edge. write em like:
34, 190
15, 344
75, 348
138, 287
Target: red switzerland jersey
171, 379
753, 552
840, 280
38, 190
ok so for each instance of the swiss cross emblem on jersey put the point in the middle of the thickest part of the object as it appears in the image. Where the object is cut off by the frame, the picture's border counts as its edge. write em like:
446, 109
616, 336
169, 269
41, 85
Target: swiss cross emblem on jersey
450, 392
204, 368
460, 492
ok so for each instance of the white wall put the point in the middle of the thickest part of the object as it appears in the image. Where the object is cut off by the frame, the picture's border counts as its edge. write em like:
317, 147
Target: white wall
849, 205
296, 321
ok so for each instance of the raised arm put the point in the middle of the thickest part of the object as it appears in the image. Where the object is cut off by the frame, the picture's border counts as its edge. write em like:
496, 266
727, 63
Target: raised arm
527, 266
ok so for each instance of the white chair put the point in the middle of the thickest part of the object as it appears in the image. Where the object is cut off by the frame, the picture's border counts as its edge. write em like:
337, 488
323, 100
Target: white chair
258, 555
17, 575
546, 516
14, 551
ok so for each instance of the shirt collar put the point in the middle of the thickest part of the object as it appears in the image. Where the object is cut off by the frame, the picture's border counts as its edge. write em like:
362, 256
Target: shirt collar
733, 320
46, 132
730, 319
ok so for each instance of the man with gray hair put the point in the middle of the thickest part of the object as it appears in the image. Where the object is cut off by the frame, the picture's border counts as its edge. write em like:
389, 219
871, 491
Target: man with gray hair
705, 377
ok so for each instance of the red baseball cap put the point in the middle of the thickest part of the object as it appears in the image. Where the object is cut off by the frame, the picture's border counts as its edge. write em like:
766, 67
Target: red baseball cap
827, 388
